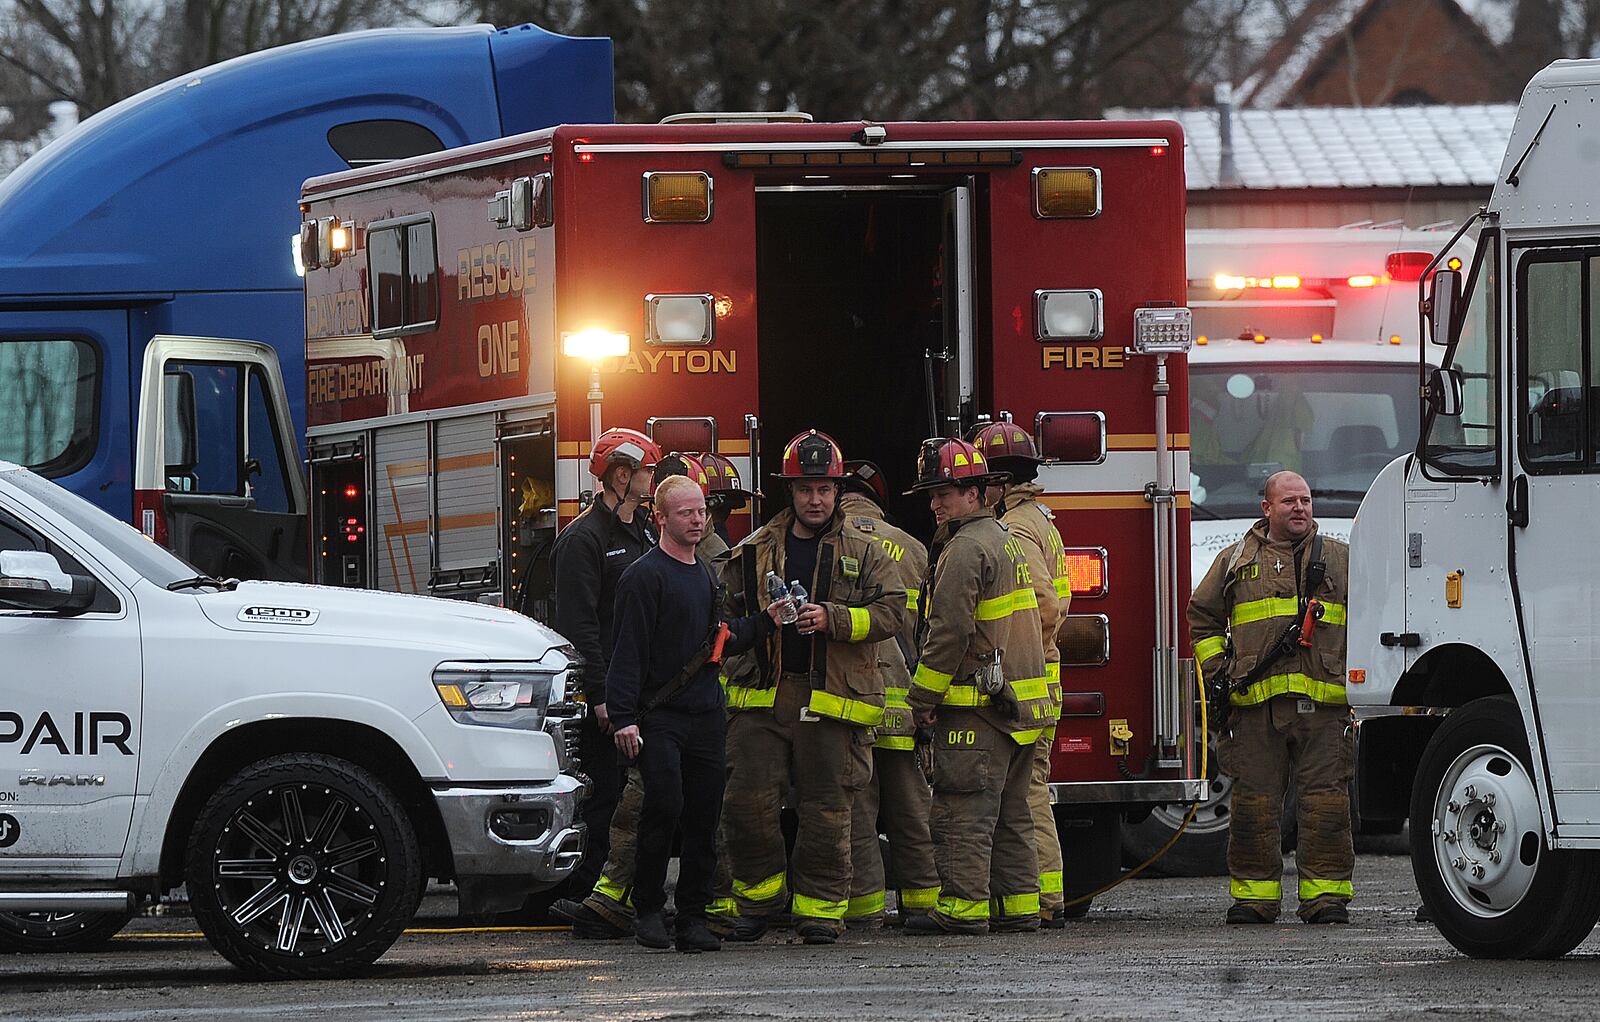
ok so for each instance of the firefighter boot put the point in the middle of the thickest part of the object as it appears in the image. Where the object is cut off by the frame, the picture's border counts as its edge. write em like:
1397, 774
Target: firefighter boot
838, 765
1051, 899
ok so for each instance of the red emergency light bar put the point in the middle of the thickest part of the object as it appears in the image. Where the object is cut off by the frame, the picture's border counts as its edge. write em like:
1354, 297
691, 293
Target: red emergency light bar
1407, 266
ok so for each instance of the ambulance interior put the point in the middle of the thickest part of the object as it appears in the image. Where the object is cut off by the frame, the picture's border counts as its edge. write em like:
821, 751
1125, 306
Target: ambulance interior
854, 287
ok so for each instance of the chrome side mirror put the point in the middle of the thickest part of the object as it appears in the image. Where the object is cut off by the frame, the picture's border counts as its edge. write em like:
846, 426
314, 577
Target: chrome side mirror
1446, 391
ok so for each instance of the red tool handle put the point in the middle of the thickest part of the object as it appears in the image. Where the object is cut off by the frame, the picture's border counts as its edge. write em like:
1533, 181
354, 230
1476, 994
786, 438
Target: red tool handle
1313, 615
716, 646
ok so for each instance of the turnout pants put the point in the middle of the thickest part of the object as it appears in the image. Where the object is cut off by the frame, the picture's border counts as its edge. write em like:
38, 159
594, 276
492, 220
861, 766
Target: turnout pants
983, 839
681, 768
1044, 826
898, 800
830, 762
1267, 741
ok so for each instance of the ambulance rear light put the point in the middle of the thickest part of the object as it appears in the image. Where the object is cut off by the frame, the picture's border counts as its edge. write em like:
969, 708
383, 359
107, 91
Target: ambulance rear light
1066, 193
679, 319
295, 255
1084, 640
1083, 704
1071, 438
1069, 315
677, 198
1407, 266
1086, 568
687, 433
1162, 330
335, 239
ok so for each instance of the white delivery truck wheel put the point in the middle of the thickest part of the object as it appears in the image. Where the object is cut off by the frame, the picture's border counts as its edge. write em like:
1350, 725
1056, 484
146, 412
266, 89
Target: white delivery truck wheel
53, 932
303, 865
1494, 887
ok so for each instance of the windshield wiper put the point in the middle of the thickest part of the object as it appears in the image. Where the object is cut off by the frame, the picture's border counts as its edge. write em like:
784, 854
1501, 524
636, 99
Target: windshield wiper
204, 582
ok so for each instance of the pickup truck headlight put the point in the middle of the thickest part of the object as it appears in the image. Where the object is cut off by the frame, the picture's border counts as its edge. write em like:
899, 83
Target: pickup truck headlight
512, 695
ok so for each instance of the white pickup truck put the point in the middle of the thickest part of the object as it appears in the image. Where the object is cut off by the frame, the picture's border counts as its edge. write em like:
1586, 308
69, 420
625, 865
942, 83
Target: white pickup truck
304, 758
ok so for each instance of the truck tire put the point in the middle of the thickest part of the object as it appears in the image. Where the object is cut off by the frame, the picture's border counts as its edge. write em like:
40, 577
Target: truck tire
1494, 888
53, 932
303, 866
1202, 851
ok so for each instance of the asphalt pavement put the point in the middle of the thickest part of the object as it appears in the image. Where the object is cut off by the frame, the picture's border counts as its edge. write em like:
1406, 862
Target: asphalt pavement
1152, 949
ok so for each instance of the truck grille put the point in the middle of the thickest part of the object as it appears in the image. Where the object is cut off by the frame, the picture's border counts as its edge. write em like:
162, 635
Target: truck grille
563, 723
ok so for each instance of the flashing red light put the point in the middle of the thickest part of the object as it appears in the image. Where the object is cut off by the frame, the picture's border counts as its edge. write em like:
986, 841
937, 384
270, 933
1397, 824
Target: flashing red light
352, 538
1407, 266
586, 157
1158, 150
1086, 567
352, 492
1363, 280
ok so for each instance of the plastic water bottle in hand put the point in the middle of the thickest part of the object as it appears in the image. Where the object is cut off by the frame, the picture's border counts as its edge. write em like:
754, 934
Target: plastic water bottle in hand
798, 599
778, 593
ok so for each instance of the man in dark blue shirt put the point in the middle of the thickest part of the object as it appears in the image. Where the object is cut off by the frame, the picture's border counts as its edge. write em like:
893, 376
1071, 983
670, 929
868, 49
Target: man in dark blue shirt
674, 726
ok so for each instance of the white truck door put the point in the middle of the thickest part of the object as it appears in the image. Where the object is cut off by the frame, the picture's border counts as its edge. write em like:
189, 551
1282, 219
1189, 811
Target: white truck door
70, 715
1555, 308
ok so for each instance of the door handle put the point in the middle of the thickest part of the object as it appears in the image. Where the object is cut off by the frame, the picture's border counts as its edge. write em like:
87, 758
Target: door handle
1405, 640
1517, 503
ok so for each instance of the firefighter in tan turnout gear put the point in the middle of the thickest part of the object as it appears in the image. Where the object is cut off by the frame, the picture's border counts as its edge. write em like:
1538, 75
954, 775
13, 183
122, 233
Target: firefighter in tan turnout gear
803, 703
898, 796
980, 686
1268, 623
1010, 450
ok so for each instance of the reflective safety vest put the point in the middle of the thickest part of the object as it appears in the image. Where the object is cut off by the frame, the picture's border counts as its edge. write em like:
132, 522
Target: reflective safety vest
979, 600
1252, 593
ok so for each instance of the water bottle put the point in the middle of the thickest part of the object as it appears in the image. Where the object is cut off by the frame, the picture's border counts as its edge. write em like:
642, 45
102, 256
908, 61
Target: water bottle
797, 593
778, 593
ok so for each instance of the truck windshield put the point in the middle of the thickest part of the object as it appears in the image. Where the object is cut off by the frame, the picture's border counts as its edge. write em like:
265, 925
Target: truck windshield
123, 540
1335, 424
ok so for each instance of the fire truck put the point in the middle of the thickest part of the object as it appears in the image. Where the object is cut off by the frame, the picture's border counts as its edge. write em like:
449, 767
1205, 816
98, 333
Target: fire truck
1474, 587
474, 317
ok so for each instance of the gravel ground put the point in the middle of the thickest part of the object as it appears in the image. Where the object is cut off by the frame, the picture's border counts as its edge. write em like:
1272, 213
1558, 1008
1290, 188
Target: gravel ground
1151, 949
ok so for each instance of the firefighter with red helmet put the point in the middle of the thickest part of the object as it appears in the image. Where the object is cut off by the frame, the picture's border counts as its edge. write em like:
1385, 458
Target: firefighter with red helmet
898, 796
727, 491
1008, 449
803, 703
586, 560
980, 685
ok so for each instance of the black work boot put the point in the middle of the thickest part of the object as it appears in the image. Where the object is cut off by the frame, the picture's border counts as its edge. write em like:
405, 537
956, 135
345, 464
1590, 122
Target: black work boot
813, 932
694, 936
650, 930
1246, 912
1327, 912
1053, 919
747, 929
587, 924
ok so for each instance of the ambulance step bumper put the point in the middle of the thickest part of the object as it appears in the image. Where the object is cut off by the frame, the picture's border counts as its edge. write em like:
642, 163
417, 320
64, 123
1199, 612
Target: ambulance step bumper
1077, 792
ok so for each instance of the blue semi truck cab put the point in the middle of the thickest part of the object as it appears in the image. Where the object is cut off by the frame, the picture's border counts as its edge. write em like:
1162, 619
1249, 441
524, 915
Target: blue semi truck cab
151, 317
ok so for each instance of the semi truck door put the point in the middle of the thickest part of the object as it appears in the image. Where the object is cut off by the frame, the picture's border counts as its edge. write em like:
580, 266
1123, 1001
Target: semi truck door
69, 722
214, 470
1553, 487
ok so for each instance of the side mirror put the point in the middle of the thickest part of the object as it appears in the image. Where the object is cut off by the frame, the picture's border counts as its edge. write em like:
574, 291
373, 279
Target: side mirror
177, 410
34, 580
1444, 298
1446, 392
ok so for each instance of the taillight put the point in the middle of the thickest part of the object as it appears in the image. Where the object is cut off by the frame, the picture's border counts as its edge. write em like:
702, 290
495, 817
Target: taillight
1086, 567
1083, 704
150, 515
